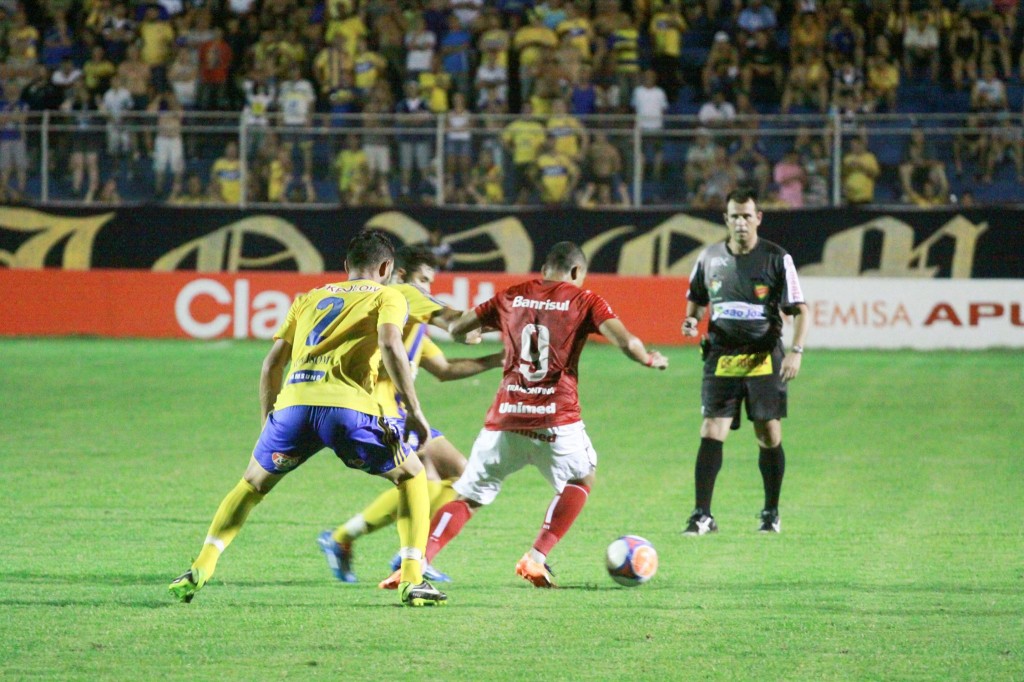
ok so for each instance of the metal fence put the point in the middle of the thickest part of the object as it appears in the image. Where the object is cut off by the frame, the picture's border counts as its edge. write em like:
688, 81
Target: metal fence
380, 159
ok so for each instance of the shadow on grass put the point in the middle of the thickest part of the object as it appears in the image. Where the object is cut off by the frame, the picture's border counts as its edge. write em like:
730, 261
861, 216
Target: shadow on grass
64, 603
104, 578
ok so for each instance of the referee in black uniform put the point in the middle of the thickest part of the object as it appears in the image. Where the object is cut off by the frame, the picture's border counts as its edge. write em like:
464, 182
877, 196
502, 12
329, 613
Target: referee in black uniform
747, 283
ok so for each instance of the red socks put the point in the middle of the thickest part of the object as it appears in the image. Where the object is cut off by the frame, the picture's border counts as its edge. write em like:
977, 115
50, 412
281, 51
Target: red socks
561, 514
447, 523
449, 520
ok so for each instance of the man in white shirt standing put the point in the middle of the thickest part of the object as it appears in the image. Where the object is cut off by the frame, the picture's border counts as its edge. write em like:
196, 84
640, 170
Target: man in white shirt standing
120, 141
650, 104
295, 100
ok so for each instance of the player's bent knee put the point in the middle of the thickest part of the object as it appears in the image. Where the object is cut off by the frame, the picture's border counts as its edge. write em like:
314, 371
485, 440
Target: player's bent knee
259, 478
589, 480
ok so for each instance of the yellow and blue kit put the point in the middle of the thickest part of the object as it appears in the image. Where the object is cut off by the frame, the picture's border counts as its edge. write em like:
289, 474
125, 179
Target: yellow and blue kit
328, 394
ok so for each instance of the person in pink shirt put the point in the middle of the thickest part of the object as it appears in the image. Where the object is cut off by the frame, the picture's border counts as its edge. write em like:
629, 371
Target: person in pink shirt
791, 177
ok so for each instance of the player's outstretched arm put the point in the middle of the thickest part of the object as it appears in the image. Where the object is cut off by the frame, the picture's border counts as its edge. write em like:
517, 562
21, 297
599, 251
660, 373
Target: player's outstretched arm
460, 368
396, 362
466, 323
633, 347
445, 318
272, 376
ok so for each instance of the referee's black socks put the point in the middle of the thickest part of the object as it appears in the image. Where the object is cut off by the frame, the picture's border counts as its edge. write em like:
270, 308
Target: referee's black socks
709, 461
772, 463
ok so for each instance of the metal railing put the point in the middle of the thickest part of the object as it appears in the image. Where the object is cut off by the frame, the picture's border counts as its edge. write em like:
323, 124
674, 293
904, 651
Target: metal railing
79, 157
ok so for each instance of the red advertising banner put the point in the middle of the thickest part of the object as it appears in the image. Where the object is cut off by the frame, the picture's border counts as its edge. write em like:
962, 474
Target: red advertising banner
142, 304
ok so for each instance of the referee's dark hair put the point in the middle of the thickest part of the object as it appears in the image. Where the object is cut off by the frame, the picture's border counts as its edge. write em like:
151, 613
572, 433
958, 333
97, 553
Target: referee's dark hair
742, 195
564, 256
369, 249
411, 258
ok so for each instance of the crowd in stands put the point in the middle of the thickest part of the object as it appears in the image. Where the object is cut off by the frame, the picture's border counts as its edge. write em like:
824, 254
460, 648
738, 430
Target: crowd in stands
515, 81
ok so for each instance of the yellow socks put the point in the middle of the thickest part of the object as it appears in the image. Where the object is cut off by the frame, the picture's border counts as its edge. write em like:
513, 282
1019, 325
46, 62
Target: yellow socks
384, 510
378, 514
413, 525
441, 493
228, 520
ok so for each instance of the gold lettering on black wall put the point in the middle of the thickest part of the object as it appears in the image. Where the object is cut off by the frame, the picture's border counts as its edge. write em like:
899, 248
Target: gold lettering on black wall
843, 254
650, 253
50, 231
223, 249
511, 241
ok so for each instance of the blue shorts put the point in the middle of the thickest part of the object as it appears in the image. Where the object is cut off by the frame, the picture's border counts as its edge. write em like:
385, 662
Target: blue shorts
362, 441
414, 440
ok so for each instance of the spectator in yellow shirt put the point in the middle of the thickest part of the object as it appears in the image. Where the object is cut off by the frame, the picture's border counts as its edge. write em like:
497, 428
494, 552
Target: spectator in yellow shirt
666, 28
434, 86
369, 67
487, 179
226, 176
524, 138
860, 169
532, 42
555, 177
97, 71
353, 170
568, 134
157, 37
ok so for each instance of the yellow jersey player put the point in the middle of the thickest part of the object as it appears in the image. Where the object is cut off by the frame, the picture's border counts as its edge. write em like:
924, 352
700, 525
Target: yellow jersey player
415, 268
335, 337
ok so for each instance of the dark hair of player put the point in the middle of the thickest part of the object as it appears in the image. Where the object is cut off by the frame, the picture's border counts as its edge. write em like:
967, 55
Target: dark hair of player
412, 258
564, 256
742, 195
369, 249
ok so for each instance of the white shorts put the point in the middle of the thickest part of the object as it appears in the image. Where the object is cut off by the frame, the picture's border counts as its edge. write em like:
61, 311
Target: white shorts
169, 152
561, 454
378, 157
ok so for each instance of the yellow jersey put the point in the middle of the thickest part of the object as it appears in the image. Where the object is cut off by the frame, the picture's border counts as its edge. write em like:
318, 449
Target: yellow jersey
530, 41
229, 175
350, 164
555, 174
666, 30
626, 47
493, 189
567, 133
580, 34
417, 346
157, 40
526, 138
333, 334
278, 178
434, 89
368, 68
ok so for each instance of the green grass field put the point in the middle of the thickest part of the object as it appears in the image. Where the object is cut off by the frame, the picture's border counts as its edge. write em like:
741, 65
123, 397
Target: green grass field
901, 557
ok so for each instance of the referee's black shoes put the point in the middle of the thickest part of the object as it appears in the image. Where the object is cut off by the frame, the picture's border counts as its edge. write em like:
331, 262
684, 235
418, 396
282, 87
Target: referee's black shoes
700, 523
770, 522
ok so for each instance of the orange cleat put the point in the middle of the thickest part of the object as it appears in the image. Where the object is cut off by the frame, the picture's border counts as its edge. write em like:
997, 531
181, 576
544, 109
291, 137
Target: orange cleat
392, 581
538, 574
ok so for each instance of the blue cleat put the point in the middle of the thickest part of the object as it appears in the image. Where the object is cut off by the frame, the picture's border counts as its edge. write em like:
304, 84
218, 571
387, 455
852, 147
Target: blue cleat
339, 557
429, 572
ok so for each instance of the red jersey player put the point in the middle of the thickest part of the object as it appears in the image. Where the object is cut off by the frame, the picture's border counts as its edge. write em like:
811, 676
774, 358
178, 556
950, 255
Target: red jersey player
535, 418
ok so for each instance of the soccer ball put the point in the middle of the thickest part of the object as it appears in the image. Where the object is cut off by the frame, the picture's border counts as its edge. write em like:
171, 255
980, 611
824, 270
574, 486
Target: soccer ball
631, 560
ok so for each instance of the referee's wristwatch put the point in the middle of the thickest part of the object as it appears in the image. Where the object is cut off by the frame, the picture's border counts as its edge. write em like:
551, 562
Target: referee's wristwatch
798, 349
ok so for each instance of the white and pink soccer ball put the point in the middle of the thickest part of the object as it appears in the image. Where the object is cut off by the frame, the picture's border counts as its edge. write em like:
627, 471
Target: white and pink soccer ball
631, 560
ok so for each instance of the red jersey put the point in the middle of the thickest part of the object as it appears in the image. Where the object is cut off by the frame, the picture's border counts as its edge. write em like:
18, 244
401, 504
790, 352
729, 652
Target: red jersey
544, 326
